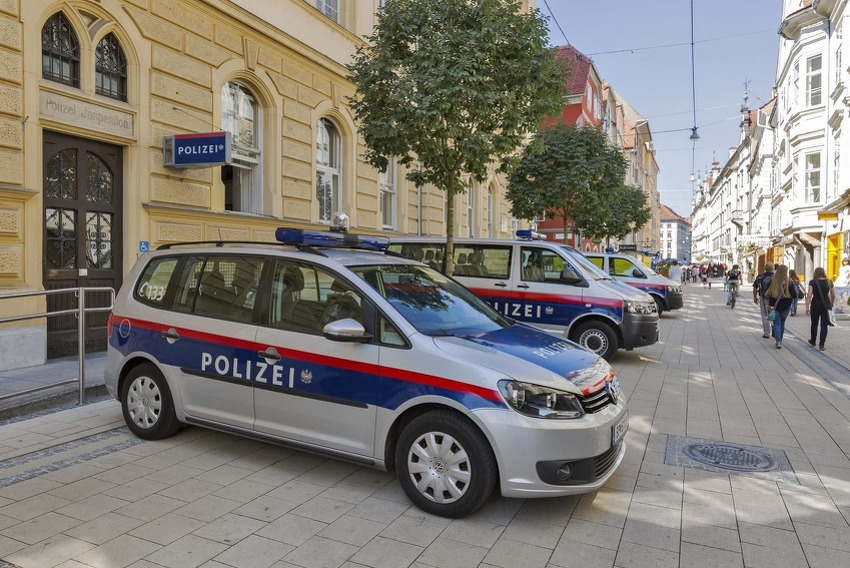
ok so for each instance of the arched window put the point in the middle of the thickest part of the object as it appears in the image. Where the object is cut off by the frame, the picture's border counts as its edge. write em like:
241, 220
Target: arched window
491, 213
110, 69
60, 51
241, 116
328, 169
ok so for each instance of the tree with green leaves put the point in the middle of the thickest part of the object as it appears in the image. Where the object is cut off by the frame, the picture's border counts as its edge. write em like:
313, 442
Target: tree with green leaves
574, 173
455, 86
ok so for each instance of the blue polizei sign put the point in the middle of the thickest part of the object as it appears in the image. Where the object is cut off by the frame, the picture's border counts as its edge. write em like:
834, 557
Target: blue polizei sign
196, 150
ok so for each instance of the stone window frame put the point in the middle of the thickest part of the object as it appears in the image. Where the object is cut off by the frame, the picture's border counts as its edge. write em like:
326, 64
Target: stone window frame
329, 164
246, 153
111, 67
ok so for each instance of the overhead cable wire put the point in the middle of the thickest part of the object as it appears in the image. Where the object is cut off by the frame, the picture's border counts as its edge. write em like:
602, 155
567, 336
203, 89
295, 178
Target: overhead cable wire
554, 19
678, 44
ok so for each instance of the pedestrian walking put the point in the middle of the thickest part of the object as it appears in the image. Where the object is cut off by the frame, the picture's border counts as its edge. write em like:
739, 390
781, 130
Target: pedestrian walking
819, 299
795, 282
779, 296
760, 285
675, 272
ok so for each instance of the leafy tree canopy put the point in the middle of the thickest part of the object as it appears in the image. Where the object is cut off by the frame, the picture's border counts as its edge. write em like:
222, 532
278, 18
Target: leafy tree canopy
455, 85
575, 173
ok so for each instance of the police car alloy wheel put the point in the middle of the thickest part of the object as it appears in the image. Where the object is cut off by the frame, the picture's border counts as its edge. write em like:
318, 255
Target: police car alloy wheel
146, 404
597, 337
445, 465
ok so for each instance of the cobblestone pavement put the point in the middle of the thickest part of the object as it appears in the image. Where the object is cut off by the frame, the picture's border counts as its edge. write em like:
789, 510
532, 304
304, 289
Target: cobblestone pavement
78, 490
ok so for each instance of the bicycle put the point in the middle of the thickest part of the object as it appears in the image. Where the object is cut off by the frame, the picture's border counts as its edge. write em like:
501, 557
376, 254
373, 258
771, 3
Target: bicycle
733, 293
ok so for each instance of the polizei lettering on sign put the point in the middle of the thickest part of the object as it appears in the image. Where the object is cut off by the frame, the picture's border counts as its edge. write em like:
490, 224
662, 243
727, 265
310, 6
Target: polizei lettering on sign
196, 150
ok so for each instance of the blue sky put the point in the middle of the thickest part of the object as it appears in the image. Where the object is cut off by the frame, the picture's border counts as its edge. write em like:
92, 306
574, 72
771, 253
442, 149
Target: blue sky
734, 41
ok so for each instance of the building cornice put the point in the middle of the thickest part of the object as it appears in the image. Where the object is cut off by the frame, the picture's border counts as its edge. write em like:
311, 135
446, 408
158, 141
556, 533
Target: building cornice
792, 25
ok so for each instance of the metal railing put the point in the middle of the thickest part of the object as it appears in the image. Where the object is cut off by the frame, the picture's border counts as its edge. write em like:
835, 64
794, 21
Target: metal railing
80, 312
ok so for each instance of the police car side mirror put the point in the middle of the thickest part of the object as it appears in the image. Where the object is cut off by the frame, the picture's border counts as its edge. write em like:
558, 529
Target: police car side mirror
346, 330
570, 277
638, 274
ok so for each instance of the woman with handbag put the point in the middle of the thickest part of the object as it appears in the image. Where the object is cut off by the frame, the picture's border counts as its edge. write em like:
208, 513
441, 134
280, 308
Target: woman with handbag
779, 296
819, 302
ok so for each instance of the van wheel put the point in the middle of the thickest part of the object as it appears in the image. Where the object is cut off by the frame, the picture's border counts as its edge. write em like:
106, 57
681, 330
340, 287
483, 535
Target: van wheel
146, 404
659, 303
445, 465
597, 337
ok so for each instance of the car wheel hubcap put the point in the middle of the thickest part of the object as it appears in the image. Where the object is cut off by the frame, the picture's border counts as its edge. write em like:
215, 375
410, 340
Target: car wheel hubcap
594, 340
439, 467
144, 402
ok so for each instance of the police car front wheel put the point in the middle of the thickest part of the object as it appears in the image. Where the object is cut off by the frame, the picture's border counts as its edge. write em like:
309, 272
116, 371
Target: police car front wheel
146, 404
445, 464
597, 337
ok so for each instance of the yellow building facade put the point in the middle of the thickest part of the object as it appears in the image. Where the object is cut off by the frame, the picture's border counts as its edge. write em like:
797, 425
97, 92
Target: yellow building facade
90, 89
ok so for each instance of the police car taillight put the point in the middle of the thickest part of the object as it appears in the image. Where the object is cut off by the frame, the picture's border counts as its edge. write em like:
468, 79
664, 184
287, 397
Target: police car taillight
292, 236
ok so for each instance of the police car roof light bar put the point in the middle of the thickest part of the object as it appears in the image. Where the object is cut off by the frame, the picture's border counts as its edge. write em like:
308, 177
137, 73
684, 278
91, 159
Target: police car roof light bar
293, 236
528, 234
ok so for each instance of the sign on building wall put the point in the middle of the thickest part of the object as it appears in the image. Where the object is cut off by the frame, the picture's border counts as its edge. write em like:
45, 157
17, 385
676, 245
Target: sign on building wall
202, 150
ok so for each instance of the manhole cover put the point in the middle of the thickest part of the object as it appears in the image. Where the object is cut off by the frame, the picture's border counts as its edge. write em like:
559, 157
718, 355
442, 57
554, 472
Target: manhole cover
727, 456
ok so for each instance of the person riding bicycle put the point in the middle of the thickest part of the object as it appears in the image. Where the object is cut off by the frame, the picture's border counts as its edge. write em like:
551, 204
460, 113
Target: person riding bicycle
733, 279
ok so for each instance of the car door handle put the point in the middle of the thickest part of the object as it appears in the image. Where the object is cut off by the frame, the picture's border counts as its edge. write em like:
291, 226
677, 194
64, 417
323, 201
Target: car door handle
171, 335
270, 354
500, 285
523, 286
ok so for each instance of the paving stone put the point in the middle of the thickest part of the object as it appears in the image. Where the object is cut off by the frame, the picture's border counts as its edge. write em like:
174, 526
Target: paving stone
318, 552
189, 551
385, 553
121, 551
254, 552
40, 528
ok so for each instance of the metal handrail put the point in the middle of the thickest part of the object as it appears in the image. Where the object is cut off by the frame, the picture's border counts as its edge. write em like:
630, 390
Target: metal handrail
80, 312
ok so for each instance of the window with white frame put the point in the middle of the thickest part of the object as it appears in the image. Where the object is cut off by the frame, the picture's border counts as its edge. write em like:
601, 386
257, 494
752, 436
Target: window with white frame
329, 8
491, 213
387, 187
836, 162
328, 169
838, 50
813, 80
470, 208
242, 178
813, 177
795, 89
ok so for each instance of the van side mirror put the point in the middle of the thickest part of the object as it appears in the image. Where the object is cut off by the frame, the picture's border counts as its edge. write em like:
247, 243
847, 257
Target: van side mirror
638, 274
570, 277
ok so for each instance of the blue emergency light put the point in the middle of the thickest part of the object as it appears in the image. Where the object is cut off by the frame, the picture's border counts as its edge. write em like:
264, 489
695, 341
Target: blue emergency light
292, 236
528, 234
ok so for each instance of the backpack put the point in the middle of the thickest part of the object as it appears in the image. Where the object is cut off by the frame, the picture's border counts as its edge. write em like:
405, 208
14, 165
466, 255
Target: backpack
764, 283
734, 274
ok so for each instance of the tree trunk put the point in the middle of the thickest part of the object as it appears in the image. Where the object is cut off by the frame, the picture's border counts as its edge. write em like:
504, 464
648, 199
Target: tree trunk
448, 261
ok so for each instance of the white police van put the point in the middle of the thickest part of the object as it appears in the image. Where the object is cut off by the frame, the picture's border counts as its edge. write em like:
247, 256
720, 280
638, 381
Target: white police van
326, 343
546, 284
625, 268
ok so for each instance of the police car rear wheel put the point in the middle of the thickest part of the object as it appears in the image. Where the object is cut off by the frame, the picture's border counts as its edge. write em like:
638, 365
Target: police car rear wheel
146, 404
597, 337
445, 464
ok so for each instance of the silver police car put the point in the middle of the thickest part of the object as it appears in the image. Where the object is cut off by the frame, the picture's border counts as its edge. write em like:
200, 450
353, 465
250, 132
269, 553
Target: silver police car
326, 343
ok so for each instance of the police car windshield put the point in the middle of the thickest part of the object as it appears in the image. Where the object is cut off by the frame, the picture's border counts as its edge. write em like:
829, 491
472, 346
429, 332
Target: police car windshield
586, 265
432, 303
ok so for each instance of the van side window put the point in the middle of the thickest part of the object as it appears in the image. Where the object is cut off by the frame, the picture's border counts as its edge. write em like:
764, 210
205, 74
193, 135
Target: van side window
305, 298
152, 285
228, 287
487, 261
621, 267
598, 261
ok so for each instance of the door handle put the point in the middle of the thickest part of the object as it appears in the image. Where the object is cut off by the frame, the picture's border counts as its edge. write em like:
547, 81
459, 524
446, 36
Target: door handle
171, 335
270, 354
500, 285
523, 286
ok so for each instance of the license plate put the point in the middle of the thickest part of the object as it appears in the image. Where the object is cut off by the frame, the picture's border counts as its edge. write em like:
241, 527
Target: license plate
619, 429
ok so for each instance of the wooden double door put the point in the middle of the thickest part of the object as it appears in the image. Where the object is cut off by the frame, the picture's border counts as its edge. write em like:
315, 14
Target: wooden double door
82, 190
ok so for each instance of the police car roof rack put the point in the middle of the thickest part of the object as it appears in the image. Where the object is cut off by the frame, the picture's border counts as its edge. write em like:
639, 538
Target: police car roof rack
217, 244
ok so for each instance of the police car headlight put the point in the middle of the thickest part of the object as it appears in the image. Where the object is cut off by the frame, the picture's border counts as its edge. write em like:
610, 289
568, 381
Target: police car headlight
634, 307
674, 289
540, 402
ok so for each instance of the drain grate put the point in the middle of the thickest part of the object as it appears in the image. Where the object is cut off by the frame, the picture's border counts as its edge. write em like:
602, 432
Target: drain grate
724, 457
